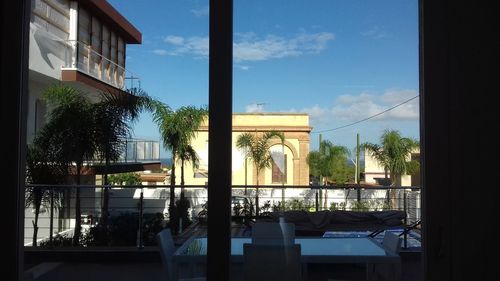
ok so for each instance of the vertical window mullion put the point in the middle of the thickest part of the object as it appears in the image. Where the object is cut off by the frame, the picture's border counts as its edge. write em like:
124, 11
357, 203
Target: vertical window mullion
219, 140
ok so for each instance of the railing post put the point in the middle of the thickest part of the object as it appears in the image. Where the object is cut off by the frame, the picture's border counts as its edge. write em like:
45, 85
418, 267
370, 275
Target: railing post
405, 201
135, 151
317, 200
126, 150
256, 201
51, 227
88, 58
139, 231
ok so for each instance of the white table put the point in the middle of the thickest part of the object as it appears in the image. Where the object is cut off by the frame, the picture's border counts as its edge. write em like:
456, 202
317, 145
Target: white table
362, 250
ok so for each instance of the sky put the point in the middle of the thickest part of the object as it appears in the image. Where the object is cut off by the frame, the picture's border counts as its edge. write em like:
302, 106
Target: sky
340, 61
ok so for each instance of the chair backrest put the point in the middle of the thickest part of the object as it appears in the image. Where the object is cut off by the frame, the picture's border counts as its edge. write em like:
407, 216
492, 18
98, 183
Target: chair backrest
392, 242
271, 262
167, 248
272, 233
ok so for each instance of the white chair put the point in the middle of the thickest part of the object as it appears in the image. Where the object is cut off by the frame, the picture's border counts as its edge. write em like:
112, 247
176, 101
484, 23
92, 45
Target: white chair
391, 243
271, 262
167, 249
272, 233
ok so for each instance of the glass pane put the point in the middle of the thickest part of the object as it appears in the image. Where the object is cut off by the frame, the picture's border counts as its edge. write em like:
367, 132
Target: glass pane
320, 74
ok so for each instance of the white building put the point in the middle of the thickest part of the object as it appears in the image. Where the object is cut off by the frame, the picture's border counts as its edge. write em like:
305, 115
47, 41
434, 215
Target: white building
79, 43
374, 172
82, 44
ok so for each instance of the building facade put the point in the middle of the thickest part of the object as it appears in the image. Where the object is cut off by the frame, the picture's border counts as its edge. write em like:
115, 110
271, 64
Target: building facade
78, 43
375, 174
292, 169
81, 44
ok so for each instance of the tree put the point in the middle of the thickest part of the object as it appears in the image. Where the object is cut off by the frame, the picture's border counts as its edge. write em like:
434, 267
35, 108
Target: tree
125, 179
187, 153
177, 128
71, 126
41, 168
330, 162
84, 131
114, 114
257, 150
393, 154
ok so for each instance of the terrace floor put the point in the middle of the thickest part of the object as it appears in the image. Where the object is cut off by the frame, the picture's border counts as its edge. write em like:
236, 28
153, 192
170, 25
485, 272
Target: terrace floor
131, 264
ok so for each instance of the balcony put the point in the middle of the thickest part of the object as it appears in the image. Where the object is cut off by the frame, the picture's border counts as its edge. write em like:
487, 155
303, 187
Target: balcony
139, 150
138, 155
80, 59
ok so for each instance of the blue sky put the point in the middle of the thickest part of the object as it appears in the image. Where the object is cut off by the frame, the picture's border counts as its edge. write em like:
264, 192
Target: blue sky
338, 60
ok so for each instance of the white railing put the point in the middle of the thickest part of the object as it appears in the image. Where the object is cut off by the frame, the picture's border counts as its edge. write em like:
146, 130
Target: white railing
86, 60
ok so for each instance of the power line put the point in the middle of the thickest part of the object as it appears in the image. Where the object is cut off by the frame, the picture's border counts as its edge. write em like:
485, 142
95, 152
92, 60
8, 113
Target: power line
367, 118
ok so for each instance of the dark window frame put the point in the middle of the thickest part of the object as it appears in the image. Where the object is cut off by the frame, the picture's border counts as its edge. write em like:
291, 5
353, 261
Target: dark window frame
452, 68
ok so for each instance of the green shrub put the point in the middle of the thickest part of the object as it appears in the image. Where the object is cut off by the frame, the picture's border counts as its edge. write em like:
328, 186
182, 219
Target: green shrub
59, 240
123, 230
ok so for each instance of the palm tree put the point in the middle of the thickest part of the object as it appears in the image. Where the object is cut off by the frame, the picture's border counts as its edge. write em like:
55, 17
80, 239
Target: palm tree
328, 163
393, 155
71, 126
187, 154
42, 168
114, 115
257, 150
177, 128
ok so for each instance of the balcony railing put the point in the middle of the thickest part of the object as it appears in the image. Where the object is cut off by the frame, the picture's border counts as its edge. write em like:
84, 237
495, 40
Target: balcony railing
83, 58
138, 212
138, 150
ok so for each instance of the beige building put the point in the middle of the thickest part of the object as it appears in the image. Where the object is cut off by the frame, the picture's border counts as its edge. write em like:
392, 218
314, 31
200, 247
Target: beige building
296, 147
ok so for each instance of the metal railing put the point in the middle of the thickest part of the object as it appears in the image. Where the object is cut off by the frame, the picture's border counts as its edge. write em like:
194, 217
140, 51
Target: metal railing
135, 151
83, 58
138, 212
138, 150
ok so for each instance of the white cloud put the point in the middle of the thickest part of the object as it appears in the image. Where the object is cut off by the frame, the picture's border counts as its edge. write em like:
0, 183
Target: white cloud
350, 99
351, 108
395, 96
375, 32
160, 52
243, 67
195, 45
201, 12
174, 40
317, 113
254, 107
250, 47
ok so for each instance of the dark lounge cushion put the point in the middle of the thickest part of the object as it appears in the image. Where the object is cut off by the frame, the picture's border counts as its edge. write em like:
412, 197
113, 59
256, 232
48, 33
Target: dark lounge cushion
351, 217
320, 219
315, 223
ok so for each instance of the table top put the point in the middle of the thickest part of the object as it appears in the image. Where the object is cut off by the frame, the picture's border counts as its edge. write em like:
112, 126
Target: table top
334, 250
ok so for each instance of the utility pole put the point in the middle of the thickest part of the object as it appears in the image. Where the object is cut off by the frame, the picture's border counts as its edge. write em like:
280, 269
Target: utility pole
320, 176
356, 176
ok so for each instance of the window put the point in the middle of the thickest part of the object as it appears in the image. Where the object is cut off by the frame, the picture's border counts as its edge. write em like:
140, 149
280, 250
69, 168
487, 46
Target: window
279, 173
